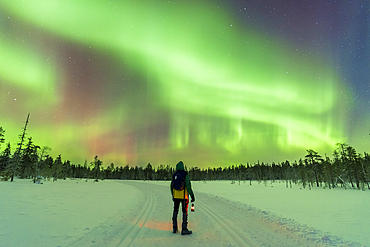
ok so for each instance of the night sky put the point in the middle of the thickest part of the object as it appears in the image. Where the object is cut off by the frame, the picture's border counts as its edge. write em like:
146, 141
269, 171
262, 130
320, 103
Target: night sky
212, 83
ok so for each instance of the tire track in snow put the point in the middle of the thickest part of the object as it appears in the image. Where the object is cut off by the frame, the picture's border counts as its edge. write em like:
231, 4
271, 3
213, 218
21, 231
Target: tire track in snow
250, 225
129, 236
115, 231
234, 233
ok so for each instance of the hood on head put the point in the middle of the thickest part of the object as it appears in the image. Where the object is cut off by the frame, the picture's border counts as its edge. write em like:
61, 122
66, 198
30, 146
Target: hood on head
180, 166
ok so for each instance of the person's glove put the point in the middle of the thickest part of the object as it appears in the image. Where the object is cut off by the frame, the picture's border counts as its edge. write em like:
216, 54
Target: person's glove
193, 199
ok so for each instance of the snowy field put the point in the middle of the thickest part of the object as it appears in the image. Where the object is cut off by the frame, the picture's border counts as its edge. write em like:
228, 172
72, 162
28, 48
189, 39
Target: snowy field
137, 213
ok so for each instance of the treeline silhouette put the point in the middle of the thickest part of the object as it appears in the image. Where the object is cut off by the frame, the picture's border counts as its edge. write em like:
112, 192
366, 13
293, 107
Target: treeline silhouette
347, 168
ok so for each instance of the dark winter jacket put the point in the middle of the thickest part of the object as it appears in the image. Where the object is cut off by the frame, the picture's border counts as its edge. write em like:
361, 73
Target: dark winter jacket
180, 167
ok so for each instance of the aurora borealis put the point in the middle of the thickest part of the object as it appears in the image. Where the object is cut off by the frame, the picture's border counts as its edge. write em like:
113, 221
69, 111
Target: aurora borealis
212, 83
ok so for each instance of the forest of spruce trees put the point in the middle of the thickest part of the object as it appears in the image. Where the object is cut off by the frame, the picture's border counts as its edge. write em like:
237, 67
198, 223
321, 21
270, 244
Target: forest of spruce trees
347, 168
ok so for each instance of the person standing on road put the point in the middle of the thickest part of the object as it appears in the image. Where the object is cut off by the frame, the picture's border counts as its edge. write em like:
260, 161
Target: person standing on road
180, 190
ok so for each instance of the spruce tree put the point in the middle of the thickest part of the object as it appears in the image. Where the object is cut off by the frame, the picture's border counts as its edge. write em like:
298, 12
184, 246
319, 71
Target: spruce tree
57, 168
39, 163
149, 172
302, 173
66, 170
47, 166
314, 160
328, 172
353, 166
365, 164
5, 159
27, 161
13, 165
341, 164
96, 166
2, 140
2, 160
86, 170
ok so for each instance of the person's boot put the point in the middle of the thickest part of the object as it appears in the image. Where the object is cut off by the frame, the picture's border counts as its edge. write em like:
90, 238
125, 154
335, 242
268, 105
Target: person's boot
174, 222
185, 230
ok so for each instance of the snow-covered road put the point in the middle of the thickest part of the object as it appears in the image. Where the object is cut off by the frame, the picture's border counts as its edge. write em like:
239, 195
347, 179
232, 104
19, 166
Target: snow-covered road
145, 220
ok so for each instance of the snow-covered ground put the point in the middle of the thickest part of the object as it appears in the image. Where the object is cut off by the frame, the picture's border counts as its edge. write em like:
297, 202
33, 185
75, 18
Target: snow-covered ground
339, 212
137, 213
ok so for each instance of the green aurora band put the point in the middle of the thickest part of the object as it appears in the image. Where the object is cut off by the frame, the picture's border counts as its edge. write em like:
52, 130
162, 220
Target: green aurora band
214, 93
